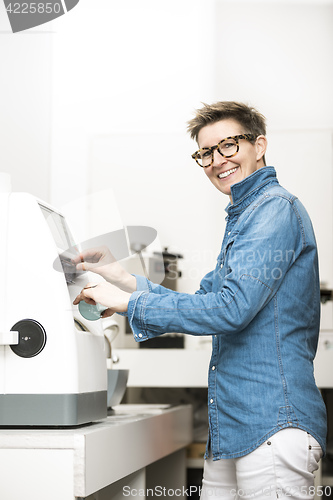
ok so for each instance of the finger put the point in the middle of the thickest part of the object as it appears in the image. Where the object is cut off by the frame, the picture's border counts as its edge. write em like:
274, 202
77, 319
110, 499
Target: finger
83, 258
78, 260
81, 298
80, 257
92, 255
107, 313
89, 285
81, 266
86, 294
77, 299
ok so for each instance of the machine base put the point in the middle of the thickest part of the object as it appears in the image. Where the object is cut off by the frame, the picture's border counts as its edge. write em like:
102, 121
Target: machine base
47, 410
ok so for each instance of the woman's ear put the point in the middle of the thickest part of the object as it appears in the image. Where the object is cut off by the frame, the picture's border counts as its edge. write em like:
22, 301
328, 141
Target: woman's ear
261, 146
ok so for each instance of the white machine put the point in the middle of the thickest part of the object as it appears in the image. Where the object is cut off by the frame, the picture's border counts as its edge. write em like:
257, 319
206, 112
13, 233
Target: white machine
52, 361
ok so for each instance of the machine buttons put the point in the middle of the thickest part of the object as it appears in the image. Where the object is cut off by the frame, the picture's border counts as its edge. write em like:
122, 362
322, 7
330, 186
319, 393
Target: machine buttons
32, 338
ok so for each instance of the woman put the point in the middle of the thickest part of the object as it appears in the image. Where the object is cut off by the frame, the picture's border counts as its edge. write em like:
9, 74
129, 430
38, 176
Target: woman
261, 305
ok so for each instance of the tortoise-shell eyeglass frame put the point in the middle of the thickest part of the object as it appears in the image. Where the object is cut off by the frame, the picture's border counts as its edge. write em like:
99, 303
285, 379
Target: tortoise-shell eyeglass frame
198, 155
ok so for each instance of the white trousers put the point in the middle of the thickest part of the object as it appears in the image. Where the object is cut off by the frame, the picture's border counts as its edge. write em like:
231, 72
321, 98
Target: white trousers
282, 467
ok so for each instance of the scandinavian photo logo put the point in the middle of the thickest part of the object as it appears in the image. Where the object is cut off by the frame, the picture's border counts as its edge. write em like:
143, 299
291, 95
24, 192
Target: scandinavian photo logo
24, 15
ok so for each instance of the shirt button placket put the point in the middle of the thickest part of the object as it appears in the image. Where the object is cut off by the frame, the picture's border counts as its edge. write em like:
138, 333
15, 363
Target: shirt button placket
212, 400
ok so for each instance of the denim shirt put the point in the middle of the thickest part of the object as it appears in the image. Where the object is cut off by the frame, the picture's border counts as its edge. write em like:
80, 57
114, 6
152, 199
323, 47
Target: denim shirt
261, 305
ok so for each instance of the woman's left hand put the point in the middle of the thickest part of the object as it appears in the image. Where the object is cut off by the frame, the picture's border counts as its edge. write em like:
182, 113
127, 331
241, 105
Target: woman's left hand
104, 293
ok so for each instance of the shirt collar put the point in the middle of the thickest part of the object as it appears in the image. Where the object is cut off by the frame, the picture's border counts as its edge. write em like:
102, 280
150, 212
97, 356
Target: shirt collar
243, 189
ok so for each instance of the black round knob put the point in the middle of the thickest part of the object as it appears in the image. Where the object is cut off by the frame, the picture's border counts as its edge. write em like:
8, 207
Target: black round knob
32, 338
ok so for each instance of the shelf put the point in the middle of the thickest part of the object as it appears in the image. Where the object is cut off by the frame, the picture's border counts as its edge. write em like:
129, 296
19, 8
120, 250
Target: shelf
91, 457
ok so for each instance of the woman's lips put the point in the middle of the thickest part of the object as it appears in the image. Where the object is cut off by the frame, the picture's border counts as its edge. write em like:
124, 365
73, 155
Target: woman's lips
226, 174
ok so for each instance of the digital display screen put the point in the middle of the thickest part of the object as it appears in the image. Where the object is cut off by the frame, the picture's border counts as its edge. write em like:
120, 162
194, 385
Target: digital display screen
64, 242
58, 228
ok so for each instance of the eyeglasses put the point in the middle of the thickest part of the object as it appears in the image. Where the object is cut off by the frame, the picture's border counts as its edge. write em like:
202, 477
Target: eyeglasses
227, 148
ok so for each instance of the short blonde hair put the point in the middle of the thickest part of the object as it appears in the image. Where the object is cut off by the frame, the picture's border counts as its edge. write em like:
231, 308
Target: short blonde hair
251, 120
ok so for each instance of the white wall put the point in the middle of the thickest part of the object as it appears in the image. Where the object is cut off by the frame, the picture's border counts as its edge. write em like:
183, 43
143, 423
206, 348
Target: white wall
125, 83
277, 56
25, 116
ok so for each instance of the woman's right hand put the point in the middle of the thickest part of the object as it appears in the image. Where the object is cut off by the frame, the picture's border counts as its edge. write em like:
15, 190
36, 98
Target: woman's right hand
100, 260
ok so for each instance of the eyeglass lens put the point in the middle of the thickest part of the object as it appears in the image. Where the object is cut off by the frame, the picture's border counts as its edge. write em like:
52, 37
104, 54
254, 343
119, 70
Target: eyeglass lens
226, 148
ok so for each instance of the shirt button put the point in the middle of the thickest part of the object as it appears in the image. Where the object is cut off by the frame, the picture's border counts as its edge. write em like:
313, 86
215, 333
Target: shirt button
140, 335
212, 401
213, 368
229, 233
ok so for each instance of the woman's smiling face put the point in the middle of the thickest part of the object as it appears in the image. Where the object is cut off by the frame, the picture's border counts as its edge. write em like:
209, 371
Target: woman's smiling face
224, 172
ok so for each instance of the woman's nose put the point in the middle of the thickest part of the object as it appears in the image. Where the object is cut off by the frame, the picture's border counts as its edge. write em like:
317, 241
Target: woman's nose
218, 159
